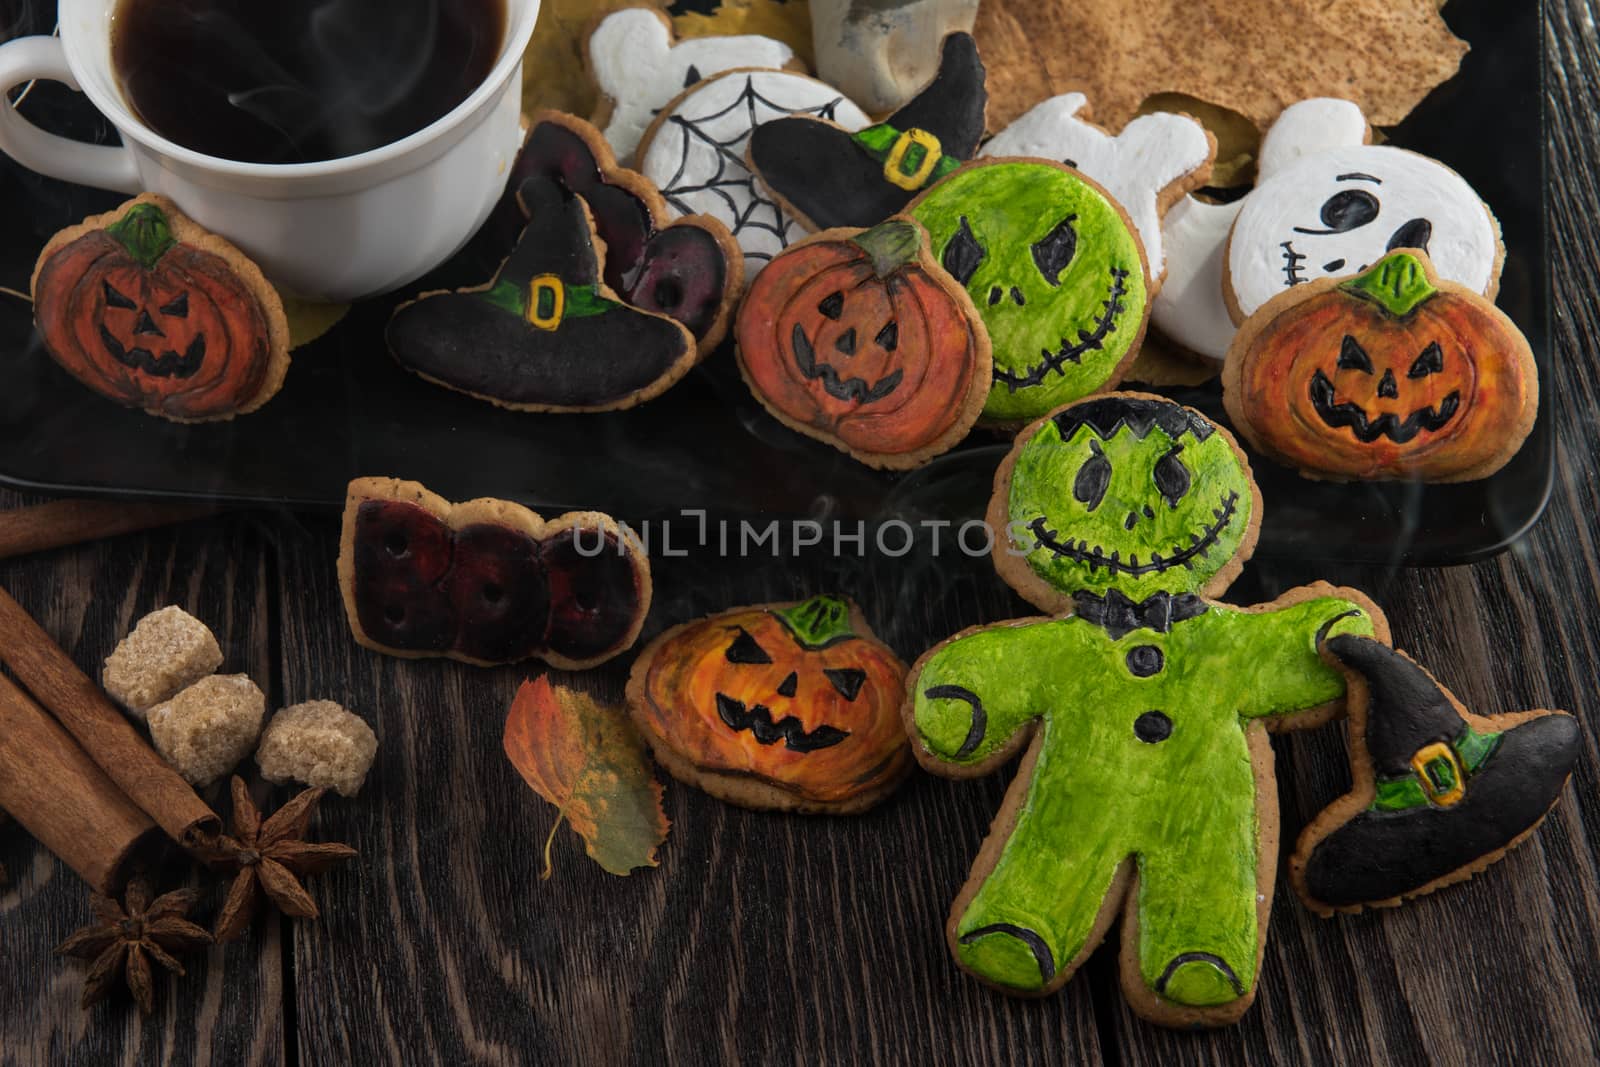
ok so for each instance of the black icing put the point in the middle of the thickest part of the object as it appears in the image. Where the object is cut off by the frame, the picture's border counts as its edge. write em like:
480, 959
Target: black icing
758, 720
1368, 428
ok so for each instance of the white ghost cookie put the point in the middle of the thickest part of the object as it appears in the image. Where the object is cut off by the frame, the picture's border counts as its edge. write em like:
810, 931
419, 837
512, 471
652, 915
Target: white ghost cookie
695, 152
1147, 168
639, 66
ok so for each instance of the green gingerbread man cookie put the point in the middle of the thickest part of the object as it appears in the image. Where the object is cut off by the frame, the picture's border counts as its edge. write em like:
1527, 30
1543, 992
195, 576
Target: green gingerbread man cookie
1056, 270
1144, 706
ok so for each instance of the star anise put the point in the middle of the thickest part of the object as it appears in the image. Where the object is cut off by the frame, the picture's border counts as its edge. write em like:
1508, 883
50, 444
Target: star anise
270, 857
124, 938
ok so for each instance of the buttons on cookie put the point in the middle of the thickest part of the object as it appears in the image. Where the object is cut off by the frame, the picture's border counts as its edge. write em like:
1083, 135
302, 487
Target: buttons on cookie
1152, 727
1145, 660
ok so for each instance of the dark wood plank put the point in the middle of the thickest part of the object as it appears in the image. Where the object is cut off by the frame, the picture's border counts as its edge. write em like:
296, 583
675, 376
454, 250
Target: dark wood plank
230, 1007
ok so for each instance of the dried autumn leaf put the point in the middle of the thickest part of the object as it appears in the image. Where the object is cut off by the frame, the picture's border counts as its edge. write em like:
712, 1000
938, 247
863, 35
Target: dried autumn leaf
586, 759
554, 72
787, 22
1255, 57
309, 320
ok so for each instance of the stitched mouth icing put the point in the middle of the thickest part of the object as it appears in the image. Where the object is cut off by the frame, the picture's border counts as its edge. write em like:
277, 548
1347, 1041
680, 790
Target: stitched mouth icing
1096, 557
1105, 325
167, 365
789, 730
1292, 272
1368, 429
840, 388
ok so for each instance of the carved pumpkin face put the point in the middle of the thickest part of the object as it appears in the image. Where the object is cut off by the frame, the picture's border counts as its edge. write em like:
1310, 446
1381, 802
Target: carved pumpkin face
1384, 376
154, 323
855, 339
801, 698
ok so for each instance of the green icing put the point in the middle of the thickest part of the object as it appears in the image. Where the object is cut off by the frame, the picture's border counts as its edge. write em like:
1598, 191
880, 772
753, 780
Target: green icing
1403, 794
818, 622
1398, 284
1064, 340
145, 232
581, 300
1179, 541
1184, 808
890, 245
878, 141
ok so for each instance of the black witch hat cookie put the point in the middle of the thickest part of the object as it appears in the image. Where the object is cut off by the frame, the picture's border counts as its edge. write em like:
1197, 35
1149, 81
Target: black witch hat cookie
546, 334
1439, 794
826, 176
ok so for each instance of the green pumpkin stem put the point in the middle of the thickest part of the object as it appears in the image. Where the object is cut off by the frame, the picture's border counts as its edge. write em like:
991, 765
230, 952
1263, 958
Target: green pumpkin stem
1398, 284
818, 622
890, 245
145, 232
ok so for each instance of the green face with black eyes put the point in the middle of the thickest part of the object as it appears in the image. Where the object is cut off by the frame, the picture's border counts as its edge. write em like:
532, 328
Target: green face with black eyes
1056, 272
1129, 493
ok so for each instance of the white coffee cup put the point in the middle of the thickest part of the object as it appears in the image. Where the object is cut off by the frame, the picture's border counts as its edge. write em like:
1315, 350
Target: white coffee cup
338, 230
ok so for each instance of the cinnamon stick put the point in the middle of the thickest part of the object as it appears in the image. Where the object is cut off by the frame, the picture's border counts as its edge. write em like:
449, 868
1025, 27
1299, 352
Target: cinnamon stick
70, 522
62, 797
105, 733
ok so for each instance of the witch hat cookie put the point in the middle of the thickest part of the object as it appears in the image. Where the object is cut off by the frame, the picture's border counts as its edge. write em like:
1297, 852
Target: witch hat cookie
546, 334
1440, 793
826, 177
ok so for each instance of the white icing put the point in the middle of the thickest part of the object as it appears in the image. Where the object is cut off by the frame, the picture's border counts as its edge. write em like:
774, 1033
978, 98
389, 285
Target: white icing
697, 154
1135, 166
1309, 127
1189, 307
636, 64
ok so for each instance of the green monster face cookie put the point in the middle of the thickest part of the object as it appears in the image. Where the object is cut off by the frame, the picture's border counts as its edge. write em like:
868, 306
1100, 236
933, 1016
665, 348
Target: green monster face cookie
1130, 493
1055, 270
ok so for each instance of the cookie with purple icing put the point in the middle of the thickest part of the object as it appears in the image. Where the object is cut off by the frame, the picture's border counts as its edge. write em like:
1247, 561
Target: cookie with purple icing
546, 333
487, 581
826, 176
1439, 793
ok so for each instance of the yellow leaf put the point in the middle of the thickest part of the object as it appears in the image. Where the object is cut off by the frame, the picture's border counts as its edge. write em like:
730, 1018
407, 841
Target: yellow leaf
309, 321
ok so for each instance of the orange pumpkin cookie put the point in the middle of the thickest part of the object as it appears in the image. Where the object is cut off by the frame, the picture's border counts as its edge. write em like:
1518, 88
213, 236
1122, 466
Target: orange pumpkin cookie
1393, 374
859, 339
151, 311
793, 707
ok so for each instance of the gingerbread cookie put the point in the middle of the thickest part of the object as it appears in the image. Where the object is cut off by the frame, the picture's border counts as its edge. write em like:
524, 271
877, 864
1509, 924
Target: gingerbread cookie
152, 312
826, 176
1189, 310
639, 66
1147, 785
1151, 165
1392, 374
1056, 270
689, 269
1439, 793
793, 707
695, 152
857, 338
547, 333
487, 581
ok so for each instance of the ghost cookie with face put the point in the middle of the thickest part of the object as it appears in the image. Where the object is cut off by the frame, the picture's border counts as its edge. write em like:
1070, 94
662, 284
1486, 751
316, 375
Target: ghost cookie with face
1056, 270
1142, 707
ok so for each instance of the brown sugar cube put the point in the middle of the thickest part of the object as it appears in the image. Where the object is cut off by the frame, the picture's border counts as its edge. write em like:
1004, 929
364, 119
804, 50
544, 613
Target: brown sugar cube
169, 650
206, 730
318, 743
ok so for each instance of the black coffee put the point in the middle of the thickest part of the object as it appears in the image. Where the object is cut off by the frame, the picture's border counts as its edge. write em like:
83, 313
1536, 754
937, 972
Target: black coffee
299, 81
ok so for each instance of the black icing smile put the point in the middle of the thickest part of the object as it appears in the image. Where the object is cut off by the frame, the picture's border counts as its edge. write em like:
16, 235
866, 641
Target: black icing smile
1105, 324
1096, 557
1368, 429
758, 720
168, 364
840, 388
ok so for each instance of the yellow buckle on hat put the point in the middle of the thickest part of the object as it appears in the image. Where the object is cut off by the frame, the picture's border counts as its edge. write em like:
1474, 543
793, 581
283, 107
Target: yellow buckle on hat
924, 152
1440, 773
547, 299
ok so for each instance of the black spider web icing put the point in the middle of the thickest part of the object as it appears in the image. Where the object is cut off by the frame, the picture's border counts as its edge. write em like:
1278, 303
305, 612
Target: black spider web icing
731, 175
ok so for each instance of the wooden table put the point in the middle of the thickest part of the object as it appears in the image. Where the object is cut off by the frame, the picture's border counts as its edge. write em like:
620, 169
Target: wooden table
769, 939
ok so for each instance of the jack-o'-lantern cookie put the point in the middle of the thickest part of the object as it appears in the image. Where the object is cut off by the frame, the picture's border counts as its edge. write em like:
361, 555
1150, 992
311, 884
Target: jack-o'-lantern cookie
1392, 374
487, 581
1146, 787
857, 338
688, 269
827, 176
793, 707
151, 311
547, 333
1057, 272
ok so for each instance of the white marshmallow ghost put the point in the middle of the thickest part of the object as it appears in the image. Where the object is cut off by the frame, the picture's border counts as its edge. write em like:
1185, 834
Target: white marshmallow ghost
1326, 204
1154, 161
639, 68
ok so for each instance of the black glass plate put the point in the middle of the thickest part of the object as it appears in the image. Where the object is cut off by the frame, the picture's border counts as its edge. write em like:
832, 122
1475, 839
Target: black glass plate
348, 410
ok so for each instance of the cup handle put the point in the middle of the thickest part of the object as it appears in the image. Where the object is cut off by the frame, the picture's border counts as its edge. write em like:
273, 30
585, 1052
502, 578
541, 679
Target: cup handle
104, 167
